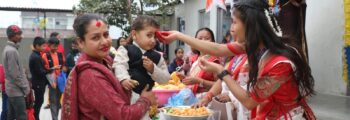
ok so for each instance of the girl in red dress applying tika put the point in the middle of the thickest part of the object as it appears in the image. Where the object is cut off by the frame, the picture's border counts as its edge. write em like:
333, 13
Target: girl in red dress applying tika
279, 77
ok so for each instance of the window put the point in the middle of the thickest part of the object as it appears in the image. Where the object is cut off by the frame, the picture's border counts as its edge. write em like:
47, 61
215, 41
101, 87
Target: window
70, 21
61, 23
181, 27
204, 19
224, 23
28, 22
50, 23
32, 20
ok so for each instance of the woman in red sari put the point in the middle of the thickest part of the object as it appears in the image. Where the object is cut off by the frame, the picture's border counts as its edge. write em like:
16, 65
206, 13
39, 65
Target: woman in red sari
201, 81
92, 91
279, 77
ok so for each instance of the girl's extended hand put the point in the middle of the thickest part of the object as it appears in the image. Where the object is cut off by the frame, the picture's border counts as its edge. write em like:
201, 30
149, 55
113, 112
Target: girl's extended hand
171, 36
203, 102
190, 81
210, 66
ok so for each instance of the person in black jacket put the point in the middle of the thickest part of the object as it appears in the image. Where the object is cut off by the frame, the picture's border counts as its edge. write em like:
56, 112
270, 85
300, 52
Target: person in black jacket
73, 56
38, 73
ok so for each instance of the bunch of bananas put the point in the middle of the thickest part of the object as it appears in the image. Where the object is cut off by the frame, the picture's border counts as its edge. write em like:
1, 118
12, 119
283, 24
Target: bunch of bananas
153, 110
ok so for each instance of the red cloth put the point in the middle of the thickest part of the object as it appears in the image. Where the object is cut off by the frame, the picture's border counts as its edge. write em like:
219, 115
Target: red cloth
2, 77
236, 65
206, 75
29, 99
60, 49
235, 48
179, 62
30, 114
192, 57
92, 91
55, 60
276, 90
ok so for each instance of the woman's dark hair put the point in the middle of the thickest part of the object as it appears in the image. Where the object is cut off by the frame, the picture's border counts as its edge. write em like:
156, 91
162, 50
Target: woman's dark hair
118, 41
224, 41
258, 30
177, 49
74, 41
54, 34
143, 21
53, 41
208, 30
81, 22
38, 41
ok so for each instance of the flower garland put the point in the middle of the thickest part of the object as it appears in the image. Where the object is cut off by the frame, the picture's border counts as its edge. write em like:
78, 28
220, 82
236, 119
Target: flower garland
273, 23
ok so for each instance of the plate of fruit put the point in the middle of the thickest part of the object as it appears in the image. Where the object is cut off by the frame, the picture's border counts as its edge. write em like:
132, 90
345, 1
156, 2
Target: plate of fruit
186, 113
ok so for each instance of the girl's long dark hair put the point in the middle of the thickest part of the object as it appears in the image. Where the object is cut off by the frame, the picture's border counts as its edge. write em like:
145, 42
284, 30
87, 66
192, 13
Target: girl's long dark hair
258, 30
118, 42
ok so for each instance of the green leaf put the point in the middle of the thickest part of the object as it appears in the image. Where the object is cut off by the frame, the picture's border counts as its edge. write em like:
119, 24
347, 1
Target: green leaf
118, 12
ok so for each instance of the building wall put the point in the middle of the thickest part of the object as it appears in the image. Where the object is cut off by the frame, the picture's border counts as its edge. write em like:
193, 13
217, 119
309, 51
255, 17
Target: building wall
24, 50
59, 22
56, 20
190, 13
324, 31
29, 33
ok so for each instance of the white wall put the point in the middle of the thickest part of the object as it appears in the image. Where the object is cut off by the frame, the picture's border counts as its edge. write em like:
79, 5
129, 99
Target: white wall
12, 18
190, 12
324, 30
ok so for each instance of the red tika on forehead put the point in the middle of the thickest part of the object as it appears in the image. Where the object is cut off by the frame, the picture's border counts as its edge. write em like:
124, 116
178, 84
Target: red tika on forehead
98, 23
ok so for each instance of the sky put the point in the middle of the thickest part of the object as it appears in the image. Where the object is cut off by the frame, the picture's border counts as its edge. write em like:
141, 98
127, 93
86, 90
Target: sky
56, 4
13, 18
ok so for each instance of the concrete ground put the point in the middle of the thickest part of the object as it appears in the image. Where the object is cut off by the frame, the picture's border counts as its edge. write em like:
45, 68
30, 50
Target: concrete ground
45, 114
330, 107
326, 107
